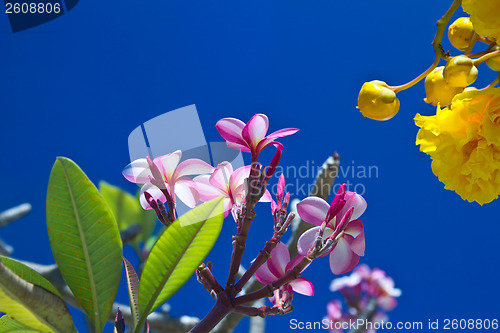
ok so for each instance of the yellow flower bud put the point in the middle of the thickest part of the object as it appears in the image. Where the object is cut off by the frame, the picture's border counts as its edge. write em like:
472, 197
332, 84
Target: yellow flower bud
494, 63
460, 72
460, 33
376, 101
437, 90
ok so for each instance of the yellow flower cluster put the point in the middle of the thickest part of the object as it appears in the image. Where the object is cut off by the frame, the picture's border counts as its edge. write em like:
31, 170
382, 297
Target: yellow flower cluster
463, 141
485, 16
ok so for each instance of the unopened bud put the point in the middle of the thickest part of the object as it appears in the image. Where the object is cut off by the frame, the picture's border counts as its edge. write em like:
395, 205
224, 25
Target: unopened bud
437, 90
376, 101
460, 72
460, 33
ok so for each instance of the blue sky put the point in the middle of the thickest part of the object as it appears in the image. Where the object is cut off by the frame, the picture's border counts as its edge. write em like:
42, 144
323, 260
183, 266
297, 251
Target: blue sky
78, 85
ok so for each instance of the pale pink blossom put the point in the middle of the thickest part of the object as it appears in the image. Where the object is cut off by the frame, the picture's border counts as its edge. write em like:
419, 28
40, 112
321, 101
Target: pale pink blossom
336, 316
342, 224
277, 265
382, 287
251, 137
165, 173
373, 282
228, 183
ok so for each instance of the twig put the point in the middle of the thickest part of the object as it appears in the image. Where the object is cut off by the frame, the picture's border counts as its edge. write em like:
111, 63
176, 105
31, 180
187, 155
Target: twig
257, 324
322, 188
13, 214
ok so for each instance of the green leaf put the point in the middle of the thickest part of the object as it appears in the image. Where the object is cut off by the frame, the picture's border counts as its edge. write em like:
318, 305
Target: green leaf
28, 274
31, 305
84, 238
127, 209
177, 254
133, 290
9, 325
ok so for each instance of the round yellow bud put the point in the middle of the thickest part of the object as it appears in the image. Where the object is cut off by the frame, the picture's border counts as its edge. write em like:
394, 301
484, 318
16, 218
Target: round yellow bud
376, 101
460, 33
494, 63
460, 72
437, 90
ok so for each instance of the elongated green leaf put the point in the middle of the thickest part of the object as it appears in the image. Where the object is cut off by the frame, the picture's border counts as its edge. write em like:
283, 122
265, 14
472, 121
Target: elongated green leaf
9, 325
28, 274
127, 209
84, 238
177, 254
133, 290
31, 305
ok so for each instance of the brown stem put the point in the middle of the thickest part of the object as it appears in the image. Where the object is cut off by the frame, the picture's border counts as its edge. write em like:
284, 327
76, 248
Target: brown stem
262, 312
436, 43
322, 188
268, 290
208, 280
221, 308
264, 254
246, 221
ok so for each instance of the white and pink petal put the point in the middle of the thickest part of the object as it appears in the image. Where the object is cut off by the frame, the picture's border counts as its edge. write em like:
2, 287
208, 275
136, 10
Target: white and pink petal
264, 275
168, 163
187, 191
193, 166
302, 286
352, 199
342, 258
313, 210
230, 129
221, 175
138, 171
154, 191
255, 130
308, 238
206, 190
280, 257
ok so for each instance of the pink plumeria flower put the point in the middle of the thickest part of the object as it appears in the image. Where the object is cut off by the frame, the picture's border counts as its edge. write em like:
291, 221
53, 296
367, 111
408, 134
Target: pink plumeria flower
228, 183
276, 267
167, 174
341, 221
336, 316
374, 282
251, 137
382, 287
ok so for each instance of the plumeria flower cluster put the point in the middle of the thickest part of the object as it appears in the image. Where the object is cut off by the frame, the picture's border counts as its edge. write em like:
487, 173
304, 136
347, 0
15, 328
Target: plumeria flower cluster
462, 137
165, 177
367, 292
338, 232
